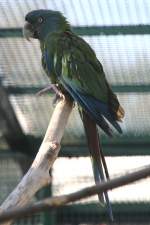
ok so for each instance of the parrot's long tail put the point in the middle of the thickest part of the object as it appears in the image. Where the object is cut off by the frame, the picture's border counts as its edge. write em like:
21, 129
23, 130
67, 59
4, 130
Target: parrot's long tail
99, 164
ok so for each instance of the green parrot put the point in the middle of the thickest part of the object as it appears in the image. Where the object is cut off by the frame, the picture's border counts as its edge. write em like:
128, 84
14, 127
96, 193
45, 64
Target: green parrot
73, 68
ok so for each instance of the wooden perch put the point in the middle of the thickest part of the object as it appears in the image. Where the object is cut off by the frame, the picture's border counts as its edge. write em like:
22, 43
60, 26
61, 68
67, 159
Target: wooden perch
55, 202
38, 174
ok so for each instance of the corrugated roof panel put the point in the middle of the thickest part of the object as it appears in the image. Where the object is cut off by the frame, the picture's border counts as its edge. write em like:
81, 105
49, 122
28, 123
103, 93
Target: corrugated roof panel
21, 61
97, 12
125, 58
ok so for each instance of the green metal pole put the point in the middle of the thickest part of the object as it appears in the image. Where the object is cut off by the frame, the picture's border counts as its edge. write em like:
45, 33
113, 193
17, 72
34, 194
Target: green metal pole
47, 218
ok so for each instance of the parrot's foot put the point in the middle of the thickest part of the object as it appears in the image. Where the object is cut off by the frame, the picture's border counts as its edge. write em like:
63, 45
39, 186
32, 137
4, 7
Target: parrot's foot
52, 88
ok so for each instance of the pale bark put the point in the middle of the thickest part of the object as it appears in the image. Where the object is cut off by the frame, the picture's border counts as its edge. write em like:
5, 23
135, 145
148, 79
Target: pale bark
38, 174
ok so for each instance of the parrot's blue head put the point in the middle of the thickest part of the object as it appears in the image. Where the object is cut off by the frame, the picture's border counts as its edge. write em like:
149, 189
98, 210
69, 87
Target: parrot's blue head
39, 23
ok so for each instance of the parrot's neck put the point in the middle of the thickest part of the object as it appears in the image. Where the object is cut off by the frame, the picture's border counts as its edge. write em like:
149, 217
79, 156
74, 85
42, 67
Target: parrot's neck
53, 26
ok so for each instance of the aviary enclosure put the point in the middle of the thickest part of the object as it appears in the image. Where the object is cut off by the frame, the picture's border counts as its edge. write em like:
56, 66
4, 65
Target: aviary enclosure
118, 31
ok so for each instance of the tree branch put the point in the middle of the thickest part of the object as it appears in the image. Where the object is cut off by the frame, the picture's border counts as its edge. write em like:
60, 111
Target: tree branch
55, 202
38, 174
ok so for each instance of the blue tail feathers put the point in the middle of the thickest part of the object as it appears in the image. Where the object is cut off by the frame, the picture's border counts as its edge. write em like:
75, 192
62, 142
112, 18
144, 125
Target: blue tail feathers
95, 108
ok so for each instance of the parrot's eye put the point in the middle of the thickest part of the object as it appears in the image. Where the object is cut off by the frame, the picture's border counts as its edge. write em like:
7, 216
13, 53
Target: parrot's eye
40, 19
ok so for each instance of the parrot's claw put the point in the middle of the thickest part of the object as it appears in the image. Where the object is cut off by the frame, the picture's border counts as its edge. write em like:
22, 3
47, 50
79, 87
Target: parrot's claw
58, 96
52, 88
49, 88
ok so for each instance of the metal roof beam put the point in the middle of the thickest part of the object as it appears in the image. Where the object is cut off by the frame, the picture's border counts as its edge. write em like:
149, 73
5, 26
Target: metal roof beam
123, 146
131, 88
9, 125
92, 213
89, 31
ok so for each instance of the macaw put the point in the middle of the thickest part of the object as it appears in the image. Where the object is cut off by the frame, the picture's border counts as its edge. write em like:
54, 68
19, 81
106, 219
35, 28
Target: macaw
73, 68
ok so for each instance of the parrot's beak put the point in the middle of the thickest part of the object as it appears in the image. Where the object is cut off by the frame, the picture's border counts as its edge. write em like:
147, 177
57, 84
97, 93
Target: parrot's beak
28, 31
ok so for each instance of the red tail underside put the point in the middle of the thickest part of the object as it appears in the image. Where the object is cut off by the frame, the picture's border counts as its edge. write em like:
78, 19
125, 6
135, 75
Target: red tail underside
94, 142
98, 158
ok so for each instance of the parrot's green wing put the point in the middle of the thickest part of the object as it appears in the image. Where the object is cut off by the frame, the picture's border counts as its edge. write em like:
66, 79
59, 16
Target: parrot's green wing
82, 75
81, 68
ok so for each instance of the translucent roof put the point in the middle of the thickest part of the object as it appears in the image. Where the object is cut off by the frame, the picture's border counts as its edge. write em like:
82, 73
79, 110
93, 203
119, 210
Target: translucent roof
104, 12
